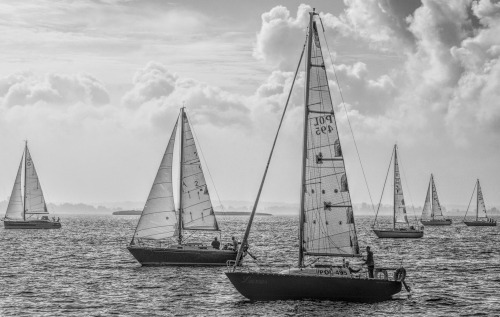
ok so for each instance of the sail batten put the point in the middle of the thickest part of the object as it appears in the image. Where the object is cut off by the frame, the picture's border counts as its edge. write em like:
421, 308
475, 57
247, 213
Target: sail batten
15, 208
327, 220
159, 218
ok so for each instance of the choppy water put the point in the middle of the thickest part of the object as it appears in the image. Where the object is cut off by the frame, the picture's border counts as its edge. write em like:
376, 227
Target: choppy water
84, 269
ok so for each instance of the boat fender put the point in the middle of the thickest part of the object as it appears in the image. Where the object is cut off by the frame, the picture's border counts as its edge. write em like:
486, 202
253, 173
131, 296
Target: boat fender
384, 272
400, 274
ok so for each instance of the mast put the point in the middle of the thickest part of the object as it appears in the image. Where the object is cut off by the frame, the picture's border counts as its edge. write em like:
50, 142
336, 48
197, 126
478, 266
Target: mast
181, 151
304, 147
394, 207
24, 202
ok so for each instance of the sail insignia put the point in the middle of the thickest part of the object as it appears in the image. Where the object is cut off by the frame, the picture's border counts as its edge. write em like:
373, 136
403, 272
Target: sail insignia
328, 222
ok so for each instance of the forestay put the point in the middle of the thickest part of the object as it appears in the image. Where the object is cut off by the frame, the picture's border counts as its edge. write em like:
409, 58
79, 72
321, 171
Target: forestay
197, 211
399, 200
15, 207
158, 219
329, 227
34, 202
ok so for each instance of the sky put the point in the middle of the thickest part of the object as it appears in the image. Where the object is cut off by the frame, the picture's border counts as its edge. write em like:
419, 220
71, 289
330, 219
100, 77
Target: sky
96, 86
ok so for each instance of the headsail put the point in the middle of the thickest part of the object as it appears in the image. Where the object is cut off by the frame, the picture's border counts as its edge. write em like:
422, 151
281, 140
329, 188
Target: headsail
436, 206
34, 202
15, 208
197, 211
328, 220
158, 219
427, 205
399, 200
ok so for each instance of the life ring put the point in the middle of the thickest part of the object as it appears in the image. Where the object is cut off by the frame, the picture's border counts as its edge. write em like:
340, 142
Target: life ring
384, 272
400, 274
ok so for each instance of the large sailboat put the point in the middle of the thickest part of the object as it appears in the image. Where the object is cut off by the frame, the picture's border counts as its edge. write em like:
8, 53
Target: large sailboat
327, 229
401, 227
161, 222
28, 211
479, 220
432, 215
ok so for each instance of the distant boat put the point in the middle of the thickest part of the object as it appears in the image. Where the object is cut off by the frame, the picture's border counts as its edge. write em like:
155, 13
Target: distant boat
401, 228
482, 221
160, 222
23, 211
432, 215
326, 223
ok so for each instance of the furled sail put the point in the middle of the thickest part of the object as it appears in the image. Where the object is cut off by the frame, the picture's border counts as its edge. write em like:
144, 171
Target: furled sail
399, 200
34, 202
481, 208
436, 206
158, 219
15, 207
197, 211
328, 220
427, 205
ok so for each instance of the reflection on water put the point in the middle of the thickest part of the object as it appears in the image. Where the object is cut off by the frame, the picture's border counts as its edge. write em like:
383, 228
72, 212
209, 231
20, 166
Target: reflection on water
84, 269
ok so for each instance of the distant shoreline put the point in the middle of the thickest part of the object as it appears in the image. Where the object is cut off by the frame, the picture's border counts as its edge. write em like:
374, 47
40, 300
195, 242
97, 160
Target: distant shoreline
218, 213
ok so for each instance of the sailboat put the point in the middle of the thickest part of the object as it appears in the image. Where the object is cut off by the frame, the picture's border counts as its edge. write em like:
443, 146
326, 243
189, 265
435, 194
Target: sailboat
327, 228
23, 211
432, 215
483, 220
161, 222
401, 228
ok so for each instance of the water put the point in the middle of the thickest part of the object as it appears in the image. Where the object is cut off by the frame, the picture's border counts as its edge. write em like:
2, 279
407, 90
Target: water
84, 269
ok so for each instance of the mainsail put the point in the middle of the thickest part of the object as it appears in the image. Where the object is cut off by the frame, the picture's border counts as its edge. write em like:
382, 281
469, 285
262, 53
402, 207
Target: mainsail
197, 211
399, 200
158, 219
34, 202
436, 206
481, 208
15, 207
328, 220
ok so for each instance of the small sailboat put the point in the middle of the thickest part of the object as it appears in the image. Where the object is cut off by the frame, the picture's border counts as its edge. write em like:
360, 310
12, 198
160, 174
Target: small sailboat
483, 221
28, 211
432, 215
161, 222
327, 228
401, 228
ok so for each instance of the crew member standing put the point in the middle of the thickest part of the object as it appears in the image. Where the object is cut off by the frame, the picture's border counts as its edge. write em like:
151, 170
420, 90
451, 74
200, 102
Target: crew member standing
369, 262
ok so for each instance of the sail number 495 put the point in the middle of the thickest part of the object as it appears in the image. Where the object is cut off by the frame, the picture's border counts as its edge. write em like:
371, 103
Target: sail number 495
323, 124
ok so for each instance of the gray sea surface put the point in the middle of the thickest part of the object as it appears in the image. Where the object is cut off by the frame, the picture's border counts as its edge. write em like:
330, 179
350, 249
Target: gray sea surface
84, 269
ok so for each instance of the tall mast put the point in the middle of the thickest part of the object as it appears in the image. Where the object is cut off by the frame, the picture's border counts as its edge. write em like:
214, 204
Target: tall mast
394, 207
304, 147
181, 151
477, 199
24, 202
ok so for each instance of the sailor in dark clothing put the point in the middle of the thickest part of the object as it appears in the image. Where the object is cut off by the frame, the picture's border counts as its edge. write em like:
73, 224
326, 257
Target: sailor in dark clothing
216, 244
235, 244
369, 262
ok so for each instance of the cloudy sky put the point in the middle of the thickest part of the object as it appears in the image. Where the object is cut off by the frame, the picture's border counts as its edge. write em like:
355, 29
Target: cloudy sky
96, 86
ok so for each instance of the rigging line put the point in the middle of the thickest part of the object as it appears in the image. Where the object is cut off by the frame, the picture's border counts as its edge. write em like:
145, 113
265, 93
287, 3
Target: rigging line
475, 185
383, 188
247, 231
347, 116
204, 161
409, 191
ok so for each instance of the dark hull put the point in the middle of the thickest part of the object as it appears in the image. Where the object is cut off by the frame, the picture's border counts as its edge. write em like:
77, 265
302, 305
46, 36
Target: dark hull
31, 224
480, 223
445, 222
399, 234
273, 286
190, 256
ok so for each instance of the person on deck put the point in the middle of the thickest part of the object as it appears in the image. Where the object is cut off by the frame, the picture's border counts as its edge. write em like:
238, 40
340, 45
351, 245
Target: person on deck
216, 244
369, 262
235, 244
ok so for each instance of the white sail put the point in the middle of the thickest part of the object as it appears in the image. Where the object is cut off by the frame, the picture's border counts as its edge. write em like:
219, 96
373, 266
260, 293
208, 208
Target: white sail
34, 202
399, 200
436, 206
328, 220
158, 219
427, 205
481, 208
197, 211
15, 208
